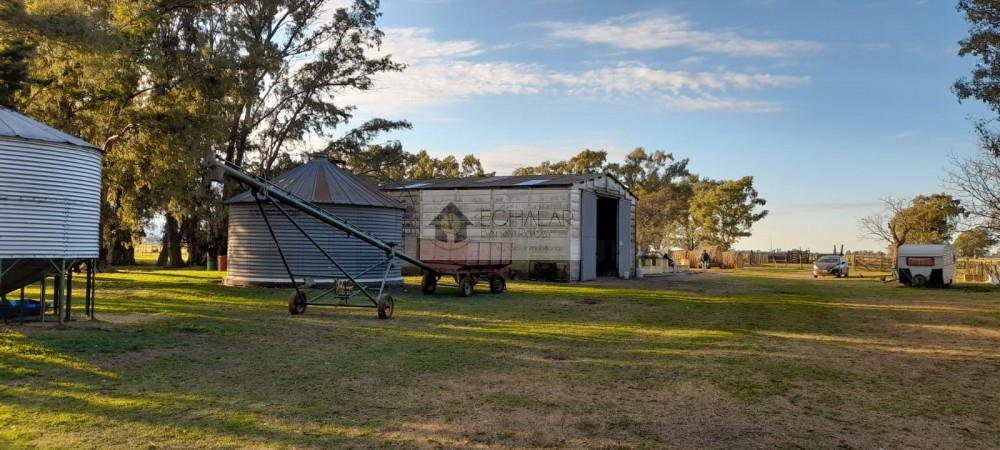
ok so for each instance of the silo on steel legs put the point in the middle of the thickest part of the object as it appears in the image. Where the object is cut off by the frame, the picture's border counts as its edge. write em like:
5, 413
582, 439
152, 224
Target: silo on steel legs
50, 190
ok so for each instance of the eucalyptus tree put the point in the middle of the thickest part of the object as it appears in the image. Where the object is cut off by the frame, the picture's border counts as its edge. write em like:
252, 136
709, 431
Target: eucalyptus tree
925, 219
974, 243
722, 212
291, 59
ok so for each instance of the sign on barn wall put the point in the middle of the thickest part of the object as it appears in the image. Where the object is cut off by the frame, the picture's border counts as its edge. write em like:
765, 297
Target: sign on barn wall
538, 222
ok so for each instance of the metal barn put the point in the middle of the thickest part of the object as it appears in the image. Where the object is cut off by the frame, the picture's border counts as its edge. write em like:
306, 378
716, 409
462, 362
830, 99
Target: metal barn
562, 227
50, 208
254, 259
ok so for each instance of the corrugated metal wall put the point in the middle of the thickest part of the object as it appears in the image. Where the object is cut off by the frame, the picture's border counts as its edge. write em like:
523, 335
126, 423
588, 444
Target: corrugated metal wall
254, 259
566, 247
50, 200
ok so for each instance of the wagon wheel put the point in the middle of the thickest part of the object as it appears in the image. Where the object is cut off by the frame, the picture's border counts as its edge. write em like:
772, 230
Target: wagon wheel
497, 284
297, 303
429, 283
385, 306
465, 285
919, 280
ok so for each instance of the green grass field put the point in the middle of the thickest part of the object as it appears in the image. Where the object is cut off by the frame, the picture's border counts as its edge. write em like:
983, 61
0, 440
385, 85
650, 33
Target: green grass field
752, 358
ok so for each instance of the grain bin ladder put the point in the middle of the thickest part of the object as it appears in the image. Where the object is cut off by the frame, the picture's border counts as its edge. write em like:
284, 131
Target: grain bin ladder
264, 191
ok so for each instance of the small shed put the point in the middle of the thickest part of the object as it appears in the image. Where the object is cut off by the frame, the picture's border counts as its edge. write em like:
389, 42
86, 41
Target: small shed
563, 227
254, 259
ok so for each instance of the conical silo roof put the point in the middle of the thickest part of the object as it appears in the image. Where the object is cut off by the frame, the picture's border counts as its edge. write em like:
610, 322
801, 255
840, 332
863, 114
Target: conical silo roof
17, 125
323, 182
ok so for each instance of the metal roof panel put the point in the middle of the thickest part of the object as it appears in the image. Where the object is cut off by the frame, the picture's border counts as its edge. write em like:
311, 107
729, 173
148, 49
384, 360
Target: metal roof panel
322, 182
17, 125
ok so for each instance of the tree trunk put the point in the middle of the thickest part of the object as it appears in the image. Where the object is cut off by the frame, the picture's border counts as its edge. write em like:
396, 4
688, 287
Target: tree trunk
120, 251
161, 260
196, 246
172, 235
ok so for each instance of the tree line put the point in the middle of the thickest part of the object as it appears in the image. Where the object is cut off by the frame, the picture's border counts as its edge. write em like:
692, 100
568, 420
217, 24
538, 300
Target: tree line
159, 85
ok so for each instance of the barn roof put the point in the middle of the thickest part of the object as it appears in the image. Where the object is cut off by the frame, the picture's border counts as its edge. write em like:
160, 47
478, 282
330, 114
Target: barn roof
17, 125
323, 182
496, 182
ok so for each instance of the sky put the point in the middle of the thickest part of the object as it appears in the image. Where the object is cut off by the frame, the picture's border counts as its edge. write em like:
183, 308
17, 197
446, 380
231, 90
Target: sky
831, 105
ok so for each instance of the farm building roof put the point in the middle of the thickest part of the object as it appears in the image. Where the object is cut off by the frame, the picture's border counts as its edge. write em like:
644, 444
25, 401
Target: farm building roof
496, 182
17, 125
322, 182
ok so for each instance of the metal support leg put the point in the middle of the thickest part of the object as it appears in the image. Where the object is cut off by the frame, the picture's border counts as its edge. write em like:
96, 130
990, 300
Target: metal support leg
41, 298
20, 310
91, 279
69, 291
57, 297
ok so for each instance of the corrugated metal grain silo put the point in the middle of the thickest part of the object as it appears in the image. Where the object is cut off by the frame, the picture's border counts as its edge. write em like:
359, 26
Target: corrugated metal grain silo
254, 259
50, 200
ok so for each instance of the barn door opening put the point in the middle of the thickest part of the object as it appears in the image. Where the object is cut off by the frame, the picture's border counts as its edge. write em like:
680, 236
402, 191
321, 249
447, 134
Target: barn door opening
626, 254
607, 237
588, 236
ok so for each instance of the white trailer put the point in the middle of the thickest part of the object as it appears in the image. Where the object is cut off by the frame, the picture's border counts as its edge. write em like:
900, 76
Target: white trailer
925, 264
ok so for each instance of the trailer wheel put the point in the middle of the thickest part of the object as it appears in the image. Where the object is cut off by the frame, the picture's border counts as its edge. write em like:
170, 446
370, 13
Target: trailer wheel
429, 283
385, 306
297, 303
498, 285
465, 285
919, 280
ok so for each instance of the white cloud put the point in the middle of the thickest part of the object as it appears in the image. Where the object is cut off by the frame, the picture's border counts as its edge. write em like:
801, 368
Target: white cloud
411, 45
710, 103
642, 32
443, 72
639, 78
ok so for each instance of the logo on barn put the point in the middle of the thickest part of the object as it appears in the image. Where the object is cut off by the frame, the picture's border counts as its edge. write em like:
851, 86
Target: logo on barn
450, 222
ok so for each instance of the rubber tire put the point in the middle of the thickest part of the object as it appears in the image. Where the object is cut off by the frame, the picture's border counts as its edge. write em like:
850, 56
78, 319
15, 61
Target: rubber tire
498, 285
919, 280
815, 276
847, 273
429, 284
386, 306
466, 285
297, 303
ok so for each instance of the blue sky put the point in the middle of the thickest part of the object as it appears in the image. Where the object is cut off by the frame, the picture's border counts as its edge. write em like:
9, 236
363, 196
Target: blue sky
829, 104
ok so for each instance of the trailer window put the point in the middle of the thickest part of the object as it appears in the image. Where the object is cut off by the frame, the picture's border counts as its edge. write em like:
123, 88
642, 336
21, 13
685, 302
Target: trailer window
919, 262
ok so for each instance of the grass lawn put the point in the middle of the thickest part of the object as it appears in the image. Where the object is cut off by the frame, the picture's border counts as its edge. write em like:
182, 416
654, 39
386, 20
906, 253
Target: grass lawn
758, 358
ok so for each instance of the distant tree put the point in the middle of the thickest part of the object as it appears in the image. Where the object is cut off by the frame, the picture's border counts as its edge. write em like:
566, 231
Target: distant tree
649, 171
723, 212
472, 167
923, 220
664, 188
933, 218
426, 167
587, 161
974, 243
